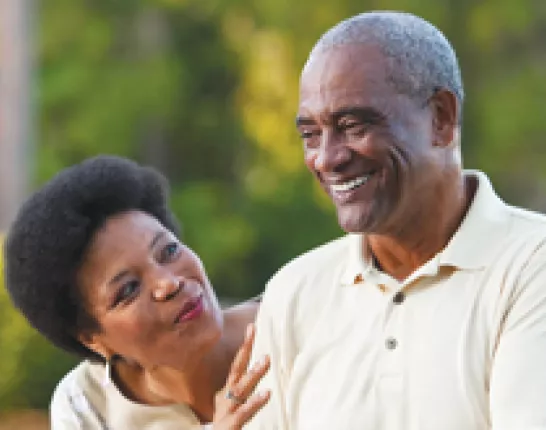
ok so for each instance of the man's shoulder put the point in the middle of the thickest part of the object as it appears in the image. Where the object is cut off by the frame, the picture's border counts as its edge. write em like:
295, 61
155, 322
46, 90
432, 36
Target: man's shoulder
326, 257
312, 268
525, 219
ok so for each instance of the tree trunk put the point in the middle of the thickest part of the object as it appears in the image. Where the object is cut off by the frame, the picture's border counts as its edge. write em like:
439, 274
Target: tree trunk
15, 130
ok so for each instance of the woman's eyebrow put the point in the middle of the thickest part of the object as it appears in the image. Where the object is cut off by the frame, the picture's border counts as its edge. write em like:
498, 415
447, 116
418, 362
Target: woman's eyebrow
158, 236
118, 277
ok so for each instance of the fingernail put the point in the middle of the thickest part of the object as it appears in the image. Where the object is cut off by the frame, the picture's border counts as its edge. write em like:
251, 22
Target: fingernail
263, 393
260, 363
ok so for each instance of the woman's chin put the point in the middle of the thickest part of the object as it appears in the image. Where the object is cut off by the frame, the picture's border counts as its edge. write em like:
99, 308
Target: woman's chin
204, 347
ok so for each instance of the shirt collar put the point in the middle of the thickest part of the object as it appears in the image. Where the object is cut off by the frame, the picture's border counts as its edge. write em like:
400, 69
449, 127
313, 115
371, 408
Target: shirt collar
358, 262
469, 248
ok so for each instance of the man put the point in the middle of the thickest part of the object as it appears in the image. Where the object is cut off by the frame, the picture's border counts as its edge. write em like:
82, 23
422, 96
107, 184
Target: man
431, 313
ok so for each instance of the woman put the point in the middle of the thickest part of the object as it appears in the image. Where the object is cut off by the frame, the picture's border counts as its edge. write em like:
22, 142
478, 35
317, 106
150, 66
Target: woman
94, 263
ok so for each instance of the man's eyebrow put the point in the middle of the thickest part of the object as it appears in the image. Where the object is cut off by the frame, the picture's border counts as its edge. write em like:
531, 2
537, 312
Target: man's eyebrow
367, 114
123, 273
303, 120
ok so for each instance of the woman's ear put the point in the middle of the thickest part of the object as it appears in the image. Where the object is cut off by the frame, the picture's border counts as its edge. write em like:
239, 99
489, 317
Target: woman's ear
94, 343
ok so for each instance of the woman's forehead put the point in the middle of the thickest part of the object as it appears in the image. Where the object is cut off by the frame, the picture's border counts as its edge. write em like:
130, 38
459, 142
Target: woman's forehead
128, 223
121, 240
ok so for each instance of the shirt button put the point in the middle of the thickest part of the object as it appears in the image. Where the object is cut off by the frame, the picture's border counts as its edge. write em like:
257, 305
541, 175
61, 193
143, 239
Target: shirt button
398, 298
391, 343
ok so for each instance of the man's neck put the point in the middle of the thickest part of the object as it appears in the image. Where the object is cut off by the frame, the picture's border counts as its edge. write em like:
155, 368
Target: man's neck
425, 234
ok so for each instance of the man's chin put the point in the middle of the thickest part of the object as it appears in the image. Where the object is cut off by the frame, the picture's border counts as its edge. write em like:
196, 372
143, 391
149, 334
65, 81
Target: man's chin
355, 223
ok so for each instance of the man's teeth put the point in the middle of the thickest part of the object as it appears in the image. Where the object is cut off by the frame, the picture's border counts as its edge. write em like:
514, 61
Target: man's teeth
350, 185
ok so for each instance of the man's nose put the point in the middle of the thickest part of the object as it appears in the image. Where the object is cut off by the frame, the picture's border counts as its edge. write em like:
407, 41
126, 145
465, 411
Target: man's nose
166, 287
331, 154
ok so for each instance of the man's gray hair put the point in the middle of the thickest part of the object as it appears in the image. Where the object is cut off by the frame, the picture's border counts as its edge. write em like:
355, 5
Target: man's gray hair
420, 58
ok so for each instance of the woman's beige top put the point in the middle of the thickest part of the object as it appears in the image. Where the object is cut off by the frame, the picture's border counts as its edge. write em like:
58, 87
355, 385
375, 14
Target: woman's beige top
87, 399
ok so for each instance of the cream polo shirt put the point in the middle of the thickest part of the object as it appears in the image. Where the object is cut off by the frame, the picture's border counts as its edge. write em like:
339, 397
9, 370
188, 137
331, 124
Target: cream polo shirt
459, 345
86, 399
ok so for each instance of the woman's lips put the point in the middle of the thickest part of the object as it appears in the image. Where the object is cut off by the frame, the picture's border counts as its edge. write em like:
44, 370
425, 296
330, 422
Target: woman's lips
192, 309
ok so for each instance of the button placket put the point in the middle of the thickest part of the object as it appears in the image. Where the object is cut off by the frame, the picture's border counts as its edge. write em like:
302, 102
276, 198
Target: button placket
392, 356
391, 340
398, 298
391, 343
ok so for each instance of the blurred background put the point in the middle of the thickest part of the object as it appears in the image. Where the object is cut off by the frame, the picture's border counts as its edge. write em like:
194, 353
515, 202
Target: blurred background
206, 91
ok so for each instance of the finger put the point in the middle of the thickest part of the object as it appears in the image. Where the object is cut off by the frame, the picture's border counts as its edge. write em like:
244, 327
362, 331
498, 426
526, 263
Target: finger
240, 363
222, 405
247, 410
247, 383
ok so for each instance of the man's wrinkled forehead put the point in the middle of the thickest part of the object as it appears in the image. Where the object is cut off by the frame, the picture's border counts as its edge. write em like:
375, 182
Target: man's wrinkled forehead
345, 71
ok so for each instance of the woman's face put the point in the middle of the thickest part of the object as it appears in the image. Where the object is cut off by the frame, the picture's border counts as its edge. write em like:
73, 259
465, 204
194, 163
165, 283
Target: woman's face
149, 294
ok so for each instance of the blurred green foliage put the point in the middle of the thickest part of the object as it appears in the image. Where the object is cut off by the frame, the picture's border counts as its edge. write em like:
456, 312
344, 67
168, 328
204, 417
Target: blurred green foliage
207, 92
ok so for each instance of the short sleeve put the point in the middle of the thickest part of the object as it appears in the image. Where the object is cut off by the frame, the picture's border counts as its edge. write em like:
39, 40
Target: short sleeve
70, 409
518, 378
61, 411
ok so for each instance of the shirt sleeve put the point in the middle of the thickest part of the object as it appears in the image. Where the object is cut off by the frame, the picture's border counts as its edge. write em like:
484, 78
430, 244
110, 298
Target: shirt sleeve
268, 342
71, 410
62, 414
518, 375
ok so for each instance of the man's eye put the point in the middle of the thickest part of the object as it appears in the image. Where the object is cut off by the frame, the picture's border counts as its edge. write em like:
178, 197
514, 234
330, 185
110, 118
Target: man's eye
127, 291
349, 125
311, 138
355, 128
306, 134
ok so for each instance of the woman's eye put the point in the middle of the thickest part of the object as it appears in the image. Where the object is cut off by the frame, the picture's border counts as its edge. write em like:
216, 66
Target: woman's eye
170, 251
127, 291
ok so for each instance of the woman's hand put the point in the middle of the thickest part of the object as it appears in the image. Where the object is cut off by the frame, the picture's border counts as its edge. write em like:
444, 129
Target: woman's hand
237, 403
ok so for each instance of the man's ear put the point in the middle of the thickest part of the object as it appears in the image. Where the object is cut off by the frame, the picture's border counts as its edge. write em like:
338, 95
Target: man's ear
94, 343
445, 117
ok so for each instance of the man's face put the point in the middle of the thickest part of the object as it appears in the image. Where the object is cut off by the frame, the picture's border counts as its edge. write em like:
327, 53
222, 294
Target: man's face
370, 147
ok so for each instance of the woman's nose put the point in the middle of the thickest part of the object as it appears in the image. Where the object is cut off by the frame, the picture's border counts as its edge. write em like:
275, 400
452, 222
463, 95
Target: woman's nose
167, 287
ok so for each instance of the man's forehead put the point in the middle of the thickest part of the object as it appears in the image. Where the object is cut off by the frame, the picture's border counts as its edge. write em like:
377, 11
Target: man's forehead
343, 71
344, 60
341, 79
